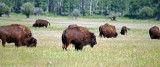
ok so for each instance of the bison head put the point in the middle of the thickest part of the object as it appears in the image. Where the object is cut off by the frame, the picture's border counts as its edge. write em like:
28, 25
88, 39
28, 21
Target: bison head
30, 42
116, 34
93, 40
34, 25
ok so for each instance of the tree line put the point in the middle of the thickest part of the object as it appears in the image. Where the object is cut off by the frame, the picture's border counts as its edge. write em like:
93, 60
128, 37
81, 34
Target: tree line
140, 9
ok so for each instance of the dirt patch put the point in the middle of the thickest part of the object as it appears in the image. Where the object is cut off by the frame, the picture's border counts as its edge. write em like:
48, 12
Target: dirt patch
97, 24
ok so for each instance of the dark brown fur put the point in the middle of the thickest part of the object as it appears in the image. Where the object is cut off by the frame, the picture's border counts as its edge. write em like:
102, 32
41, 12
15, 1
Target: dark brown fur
30, 42
14, 33
124, 30
77, 36
108, 31
154, 32
41, 23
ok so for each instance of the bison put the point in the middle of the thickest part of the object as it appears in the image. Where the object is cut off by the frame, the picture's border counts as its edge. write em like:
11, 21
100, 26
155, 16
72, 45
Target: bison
41, 23
108, 31
154, 32
16, 33
124, 30
78, 36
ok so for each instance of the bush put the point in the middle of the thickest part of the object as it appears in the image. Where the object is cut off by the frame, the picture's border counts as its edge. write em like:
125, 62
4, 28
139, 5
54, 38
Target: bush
113, 15
145, 12
7, 10
75, 13
38, 11
2, 6
27, 9
4, 9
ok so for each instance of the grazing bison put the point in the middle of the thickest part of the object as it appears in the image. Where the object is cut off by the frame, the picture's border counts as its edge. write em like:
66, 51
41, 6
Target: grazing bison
78, 36
17, 34
108, 31
124, 30
154, 32
41, 23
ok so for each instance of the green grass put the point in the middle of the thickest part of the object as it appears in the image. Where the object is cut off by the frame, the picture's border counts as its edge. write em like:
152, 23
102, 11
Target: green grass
135, 50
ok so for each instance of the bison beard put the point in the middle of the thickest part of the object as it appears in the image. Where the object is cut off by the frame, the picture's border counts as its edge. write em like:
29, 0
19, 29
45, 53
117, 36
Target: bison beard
41, 23
15, 33
154, 32
78, 38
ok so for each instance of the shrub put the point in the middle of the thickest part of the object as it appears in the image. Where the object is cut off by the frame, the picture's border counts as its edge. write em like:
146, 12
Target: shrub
113, 15
4, 9
145, 12
27, 9
38, 11
2, 6
7, 10
75, 13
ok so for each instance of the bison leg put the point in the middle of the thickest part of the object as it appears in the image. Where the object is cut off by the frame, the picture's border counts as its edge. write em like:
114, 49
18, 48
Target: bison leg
78, 46
16, 44
3, 42
125, 32
19, 44
65, 46
46, 26
100, 34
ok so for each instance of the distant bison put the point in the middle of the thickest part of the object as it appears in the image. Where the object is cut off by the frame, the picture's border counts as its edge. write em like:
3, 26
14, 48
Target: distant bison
16, 33
154, 32
124, 30
78, 36
108, 31
41, 23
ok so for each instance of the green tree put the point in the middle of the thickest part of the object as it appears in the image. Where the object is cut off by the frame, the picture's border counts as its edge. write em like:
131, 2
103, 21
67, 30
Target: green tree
37, 3
65, 7
27, 9
7, 10
75, 13
17, 7
2, 7
145, 12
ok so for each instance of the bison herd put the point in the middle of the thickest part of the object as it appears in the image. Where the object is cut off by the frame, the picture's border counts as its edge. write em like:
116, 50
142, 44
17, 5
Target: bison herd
77, 35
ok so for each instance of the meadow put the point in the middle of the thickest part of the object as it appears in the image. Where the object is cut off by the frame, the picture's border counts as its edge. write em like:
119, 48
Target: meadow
133, 50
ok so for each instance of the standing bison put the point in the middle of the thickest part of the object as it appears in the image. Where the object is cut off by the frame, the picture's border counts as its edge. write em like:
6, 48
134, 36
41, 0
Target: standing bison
41, 23
78, 36
154, 32
18, 34
108, 31
124, 30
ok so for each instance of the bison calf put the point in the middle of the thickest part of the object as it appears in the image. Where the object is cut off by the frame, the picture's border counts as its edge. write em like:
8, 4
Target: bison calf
124, 30
108, 31
78, 36
41, 23
154, 32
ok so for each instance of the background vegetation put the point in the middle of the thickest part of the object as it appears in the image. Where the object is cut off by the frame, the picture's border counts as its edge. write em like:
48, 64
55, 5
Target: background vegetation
139, 9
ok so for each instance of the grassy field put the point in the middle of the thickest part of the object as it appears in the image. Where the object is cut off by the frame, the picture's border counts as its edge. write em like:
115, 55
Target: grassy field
134, 50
